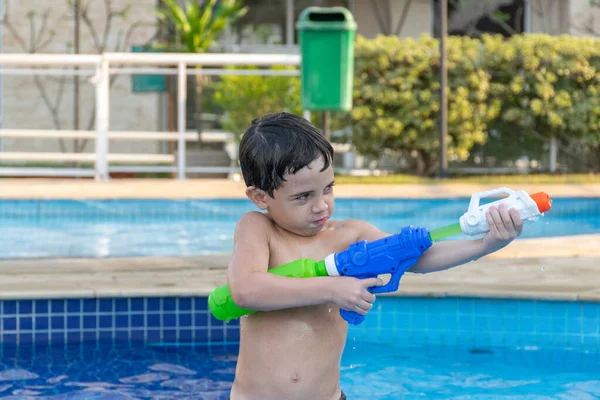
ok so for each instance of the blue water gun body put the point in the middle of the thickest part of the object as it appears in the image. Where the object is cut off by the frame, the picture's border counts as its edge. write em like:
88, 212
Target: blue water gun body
390, 255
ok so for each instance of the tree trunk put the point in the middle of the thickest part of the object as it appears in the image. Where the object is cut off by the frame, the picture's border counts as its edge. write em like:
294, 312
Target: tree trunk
420, 162
425, 164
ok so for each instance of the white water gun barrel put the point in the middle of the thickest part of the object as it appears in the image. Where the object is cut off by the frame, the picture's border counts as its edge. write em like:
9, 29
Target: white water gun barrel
530, 208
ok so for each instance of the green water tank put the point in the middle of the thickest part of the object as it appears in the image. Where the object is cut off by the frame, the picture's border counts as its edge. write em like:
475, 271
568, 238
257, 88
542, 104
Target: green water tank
326, 36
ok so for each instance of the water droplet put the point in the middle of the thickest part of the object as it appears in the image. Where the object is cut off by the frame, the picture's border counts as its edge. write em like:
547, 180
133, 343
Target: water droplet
330, 310
543, 268
353, 347
354, 339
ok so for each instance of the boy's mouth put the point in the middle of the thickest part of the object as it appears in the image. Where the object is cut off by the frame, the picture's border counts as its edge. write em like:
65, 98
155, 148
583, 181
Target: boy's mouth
321, 221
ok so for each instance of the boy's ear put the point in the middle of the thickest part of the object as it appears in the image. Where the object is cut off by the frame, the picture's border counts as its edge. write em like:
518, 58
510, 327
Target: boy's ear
257, 196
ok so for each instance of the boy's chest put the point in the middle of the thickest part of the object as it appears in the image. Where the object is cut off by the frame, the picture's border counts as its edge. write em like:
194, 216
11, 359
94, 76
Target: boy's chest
283, 250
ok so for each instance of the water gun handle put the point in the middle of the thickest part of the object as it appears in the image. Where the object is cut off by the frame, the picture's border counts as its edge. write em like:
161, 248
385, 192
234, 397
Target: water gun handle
476, 197
352, 317
392, 255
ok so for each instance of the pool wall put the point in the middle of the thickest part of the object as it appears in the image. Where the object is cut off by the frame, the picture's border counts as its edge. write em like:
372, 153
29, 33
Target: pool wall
448, 321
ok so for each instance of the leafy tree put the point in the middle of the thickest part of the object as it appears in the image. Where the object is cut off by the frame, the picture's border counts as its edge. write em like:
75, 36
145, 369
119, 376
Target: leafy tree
248, 97
396, 98
198, 23
548, 86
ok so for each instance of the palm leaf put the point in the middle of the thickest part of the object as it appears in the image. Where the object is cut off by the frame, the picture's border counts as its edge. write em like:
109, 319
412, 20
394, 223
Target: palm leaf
199, 24
206, 17
177, 15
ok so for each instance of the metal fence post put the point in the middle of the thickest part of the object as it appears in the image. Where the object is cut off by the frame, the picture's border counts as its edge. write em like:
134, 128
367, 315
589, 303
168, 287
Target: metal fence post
102, 120
181, 118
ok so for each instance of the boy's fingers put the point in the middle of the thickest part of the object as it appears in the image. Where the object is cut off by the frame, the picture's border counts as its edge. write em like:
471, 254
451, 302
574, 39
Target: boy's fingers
360, 311
370, 282
368, 297
493, 228
506, 219
498, 220
516, 219
364, 306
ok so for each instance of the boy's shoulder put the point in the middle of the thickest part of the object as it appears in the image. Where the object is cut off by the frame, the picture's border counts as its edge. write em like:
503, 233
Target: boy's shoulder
360, 229
255, 217
253, 224
351, 224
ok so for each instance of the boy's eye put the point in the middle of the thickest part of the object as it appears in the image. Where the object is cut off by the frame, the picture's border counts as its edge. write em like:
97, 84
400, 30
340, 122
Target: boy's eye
302, 197
328, 188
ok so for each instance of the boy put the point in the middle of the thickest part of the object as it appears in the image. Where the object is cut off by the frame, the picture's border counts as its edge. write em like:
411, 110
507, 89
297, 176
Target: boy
293, 351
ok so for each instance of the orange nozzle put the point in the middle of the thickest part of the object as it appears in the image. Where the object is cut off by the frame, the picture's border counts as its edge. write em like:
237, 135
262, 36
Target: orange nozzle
543, 201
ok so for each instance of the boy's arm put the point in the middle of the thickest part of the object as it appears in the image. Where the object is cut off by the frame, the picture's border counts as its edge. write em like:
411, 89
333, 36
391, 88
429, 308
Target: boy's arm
253, 287
505, 226
250, 284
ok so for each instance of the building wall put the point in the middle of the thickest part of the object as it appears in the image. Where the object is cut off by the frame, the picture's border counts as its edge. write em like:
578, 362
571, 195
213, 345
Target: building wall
555, 17
418, 21
585, 19
550, 16
23, 102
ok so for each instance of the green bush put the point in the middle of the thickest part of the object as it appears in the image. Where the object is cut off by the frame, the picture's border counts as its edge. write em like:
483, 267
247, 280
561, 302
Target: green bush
248, 97
396, 97
548, 86
523, 88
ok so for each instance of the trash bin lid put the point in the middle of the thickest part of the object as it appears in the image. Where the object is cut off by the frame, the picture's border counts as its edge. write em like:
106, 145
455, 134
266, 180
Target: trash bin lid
325, 19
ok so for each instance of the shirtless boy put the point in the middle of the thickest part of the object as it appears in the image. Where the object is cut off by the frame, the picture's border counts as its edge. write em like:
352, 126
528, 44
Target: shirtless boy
293, 350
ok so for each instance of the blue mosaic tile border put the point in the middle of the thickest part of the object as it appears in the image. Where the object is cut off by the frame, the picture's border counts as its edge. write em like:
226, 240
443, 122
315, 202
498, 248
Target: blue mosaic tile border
172, 319
476, 322
449, 321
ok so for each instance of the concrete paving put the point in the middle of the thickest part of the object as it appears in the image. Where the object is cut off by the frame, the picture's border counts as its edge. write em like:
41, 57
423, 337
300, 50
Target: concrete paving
562, 268
220, 188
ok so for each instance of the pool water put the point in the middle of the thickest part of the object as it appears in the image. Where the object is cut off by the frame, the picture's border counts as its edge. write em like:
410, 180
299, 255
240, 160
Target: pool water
128, 228
375, 371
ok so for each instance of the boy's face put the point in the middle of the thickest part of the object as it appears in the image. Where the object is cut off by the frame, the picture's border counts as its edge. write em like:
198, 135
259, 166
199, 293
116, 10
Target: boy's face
304, 203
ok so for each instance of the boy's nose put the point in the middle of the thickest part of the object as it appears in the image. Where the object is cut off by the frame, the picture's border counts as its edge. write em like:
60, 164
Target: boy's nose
320, 207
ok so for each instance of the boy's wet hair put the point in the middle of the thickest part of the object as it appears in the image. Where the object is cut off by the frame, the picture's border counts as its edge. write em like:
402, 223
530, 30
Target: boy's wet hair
277, 144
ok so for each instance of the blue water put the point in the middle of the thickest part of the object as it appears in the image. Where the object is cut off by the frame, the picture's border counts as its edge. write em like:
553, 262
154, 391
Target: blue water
117, 228
369, 371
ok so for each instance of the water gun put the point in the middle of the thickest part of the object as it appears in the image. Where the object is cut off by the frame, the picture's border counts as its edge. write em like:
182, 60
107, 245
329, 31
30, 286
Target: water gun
391, 255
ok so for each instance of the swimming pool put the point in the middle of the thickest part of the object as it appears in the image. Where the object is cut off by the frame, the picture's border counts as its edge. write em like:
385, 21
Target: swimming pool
170, 348
370, 371
125, 228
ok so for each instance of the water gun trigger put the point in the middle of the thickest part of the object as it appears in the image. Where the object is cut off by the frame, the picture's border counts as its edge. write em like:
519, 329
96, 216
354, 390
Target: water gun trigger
391, 286
355, 318
394, 282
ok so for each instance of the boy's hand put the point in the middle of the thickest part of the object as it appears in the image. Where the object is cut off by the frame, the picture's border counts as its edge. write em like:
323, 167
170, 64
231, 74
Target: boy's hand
351, 293
505, 226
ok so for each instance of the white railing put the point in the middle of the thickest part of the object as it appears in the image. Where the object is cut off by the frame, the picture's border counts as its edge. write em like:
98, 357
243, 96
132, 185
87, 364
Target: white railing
100, 67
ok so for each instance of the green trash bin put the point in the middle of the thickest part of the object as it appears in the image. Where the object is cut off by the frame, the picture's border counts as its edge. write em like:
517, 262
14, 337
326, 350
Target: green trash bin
326, 36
